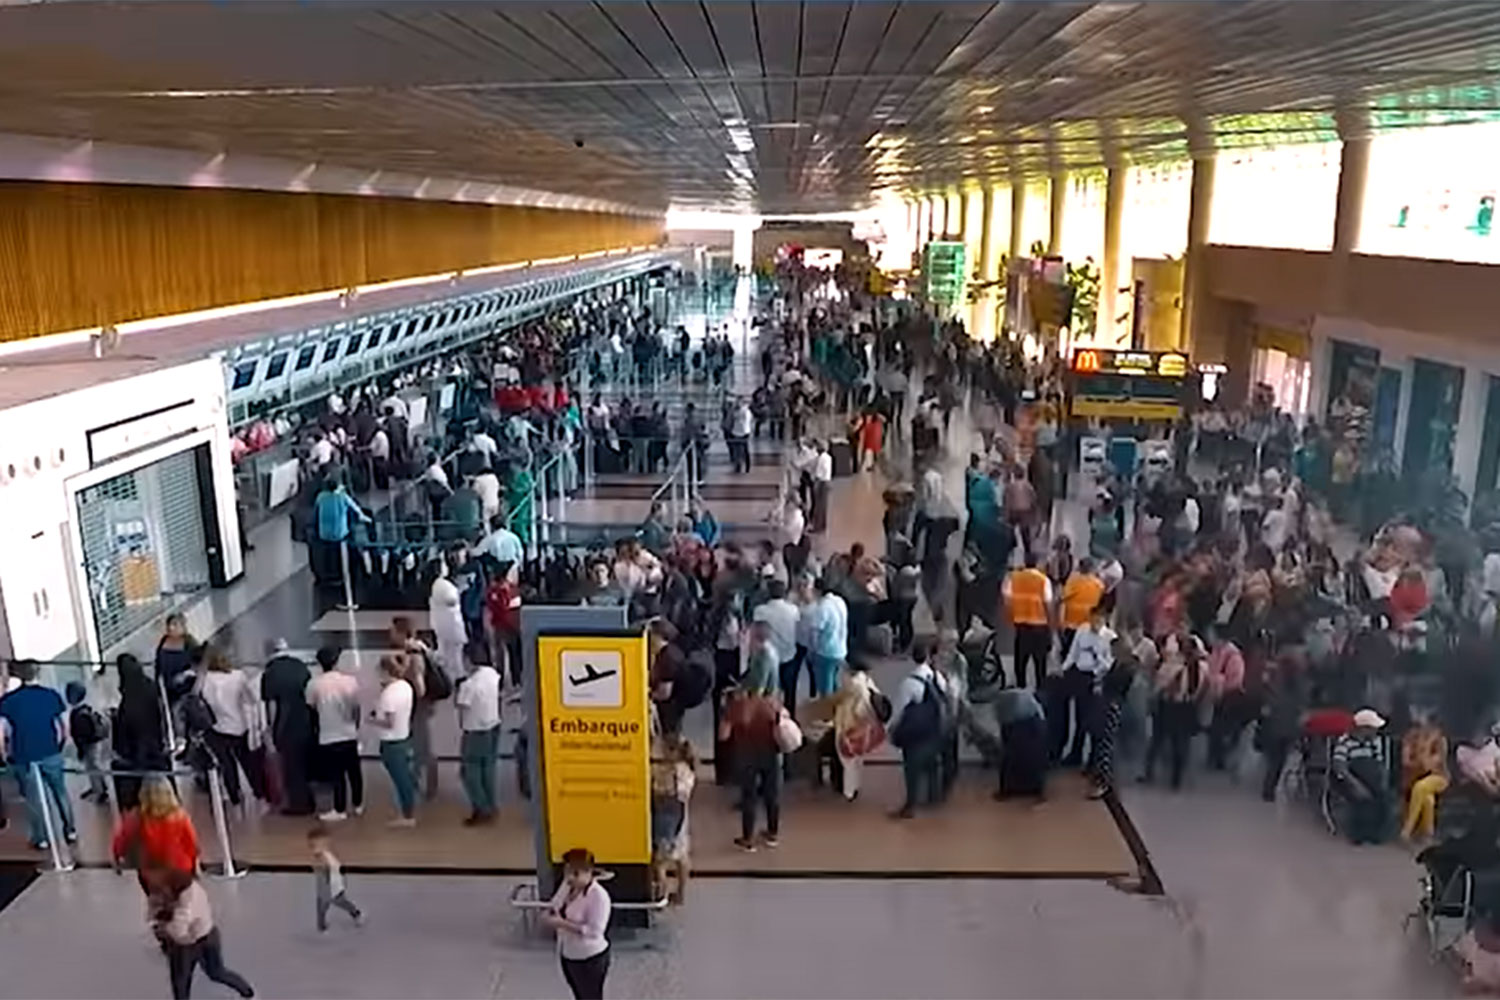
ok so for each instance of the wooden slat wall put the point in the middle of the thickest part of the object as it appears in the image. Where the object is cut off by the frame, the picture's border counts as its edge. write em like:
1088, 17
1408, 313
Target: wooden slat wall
81, 255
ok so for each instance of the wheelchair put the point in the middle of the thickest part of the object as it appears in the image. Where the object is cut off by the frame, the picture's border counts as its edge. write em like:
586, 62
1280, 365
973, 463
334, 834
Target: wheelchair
1445, 908
1308, 779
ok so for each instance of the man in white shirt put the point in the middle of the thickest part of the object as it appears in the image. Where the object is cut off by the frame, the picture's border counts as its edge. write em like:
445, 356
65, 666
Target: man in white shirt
822, 479
485, 445
435, 470
1276, 526
334, 697
321, 452
741, 422
396, 405
487, 485
780, 615
478, 701
1089, 657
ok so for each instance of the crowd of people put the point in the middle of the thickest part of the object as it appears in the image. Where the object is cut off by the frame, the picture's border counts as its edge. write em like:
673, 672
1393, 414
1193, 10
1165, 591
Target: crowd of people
1220, 598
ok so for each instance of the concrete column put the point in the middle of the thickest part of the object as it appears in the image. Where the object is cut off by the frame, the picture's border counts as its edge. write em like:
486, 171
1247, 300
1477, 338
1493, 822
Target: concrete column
940, 217
1110, 277
1017, 217
1057, 195
1354, 170
986, 232
930, 233
1467, 439
1194, 280
957, 217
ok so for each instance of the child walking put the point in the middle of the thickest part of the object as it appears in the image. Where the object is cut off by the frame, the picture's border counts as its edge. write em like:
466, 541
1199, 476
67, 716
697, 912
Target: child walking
329, 876
90, 732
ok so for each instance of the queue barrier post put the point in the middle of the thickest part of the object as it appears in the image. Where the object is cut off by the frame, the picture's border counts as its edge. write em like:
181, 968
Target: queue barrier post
221, 824
54, 843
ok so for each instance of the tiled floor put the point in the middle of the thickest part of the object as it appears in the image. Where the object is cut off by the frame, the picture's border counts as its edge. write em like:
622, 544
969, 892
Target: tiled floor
1259, 901
1245, 920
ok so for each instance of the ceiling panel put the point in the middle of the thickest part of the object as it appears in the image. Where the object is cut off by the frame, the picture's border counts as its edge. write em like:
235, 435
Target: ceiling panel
783, 106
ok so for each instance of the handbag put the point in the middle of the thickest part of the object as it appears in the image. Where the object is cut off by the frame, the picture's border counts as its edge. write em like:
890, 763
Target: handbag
788, 733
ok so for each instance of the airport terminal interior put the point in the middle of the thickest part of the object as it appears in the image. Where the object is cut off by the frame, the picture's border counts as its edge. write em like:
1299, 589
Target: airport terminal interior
749, 498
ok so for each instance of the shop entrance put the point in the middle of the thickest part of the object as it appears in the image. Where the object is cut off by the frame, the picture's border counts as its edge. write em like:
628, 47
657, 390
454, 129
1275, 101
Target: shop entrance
1432, 419
1489, 441
144, 546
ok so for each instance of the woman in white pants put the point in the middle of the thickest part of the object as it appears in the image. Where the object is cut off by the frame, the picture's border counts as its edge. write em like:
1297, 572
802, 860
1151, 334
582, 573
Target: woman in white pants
858, 726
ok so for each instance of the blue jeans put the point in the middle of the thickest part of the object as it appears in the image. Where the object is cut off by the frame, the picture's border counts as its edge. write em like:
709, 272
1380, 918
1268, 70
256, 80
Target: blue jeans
51, 771
477, 750
825, 673
400, 764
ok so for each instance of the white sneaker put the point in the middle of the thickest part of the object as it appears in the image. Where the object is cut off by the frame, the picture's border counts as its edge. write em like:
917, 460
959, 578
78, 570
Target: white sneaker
332, 816
359, 810
402, 823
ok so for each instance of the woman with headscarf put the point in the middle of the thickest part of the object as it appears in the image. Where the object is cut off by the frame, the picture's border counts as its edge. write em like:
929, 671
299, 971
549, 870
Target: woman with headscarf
138, 731
748, 729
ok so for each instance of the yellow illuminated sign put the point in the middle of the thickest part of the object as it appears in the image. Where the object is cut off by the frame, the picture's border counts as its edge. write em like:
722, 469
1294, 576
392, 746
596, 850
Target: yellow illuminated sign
596, 745
1174, 365
1125, 409
1086, 361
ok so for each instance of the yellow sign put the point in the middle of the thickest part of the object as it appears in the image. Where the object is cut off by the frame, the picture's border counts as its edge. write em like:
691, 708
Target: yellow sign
596, 745
1174, 365
1125, 409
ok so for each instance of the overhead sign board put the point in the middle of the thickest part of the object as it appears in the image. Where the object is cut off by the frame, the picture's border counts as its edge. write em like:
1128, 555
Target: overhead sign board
944, 270
1167, 364
593, 719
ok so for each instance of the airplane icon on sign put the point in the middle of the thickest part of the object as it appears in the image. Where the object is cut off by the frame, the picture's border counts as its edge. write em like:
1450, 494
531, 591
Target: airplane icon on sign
591, 674
591, 678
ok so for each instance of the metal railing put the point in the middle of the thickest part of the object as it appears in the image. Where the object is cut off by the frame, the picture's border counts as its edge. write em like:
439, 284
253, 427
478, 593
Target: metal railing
63, 849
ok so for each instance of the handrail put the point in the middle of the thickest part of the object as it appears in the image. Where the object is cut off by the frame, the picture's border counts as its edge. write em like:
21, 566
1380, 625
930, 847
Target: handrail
524, 897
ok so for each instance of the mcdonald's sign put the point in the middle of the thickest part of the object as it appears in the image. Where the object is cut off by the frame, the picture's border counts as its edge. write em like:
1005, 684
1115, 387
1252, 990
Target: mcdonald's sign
1086, 361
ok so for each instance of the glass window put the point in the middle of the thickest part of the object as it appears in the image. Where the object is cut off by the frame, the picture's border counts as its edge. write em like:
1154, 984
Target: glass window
1430, 192
1083, 219
331, 351
427, 322
375, 337
244, 374
1284, 196
305, 357
354, 342
277, 364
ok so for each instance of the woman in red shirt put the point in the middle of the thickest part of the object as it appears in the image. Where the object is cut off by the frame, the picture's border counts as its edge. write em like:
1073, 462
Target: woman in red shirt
157, 836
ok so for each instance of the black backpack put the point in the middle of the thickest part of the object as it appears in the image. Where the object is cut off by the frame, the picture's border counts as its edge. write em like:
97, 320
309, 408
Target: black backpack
436, 684
691, 686
197, 714
921, 722
87, 726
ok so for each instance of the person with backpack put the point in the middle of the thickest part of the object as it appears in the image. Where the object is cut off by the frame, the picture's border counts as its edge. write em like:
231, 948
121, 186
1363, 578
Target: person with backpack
90, 733
430, 683
918, 723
